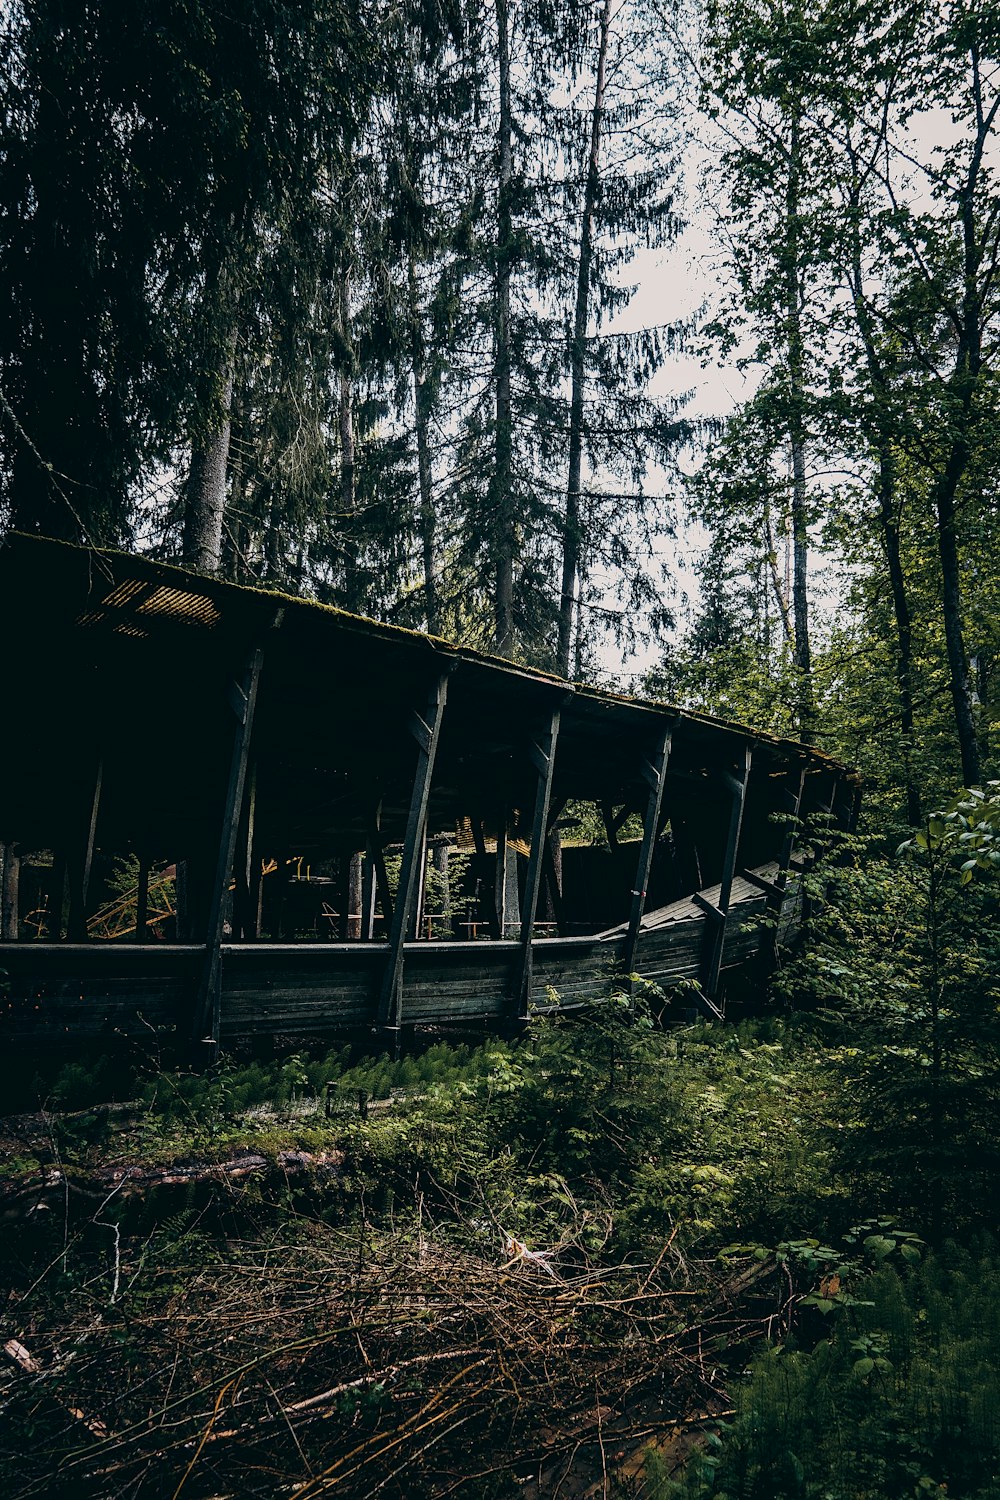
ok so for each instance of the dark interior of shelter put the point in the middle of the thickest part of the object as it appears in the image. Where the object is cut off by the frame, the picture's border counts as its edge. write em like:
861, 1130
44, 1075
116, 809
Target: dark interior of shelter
245, 812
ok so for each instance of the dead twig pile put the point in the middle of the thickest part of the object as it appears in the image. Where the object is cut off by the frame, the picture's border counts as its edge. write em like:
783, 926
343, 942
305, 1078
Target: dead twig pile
319, 1361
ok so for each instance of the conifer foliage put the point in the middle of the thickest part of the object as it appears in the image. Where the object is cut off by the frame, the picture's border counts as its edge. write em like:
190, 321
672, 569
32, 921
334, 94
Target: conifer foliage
313, 294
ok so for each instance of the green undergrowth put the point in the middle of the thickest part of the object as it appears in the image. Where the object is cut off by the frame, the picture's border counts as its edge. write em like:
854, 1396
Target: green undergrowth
598, 1136
601, 1143
899, 1401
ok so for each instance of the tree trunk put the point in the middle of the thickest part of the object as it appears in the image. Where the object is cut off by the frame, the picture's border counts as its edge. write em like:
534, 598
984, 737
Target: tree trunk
572, 537
904, 628
961, 415
780, 591
501, 499
345, 422
887, 507
945, 492
205, 499
423, 401
802, 653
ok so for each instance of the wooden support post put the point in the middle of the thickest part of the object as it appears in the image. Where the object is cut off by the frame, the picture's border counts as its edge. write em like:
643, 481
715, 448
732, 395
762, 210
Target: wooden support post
427, 732
377, 861
543, 755
355, 916
368, 899
552, 884
245, 895
776, 898
419, 901
243, 700
654, 773
791, 832
10, 882
79, 865
142, 900
500, 875
715, 932
486, 905
552, 874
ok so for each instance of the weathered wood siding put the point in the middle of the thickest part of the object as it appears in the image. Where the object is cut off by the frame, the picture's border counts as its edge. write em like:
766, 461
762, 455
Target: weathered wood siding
53, 990
96, 989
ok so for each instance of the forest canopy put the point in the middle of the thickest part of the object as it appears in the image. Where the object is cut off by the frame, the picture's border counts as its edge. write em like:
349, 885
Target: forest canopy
337, 298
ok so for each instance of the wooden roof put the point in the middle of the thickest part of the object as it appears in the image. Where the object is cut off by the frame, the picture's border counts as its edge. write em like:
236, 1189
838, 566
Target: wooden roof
115, 656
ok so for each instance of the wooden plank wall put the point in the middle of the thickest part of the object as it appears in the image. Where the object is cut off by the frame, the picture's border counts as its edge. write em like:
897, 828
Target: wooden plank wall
54, 991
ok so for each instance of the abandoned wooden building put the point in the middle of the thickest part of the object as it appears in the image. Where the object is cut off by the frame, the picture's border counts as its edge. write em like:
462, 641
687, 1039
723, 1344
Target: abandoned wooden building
232, 813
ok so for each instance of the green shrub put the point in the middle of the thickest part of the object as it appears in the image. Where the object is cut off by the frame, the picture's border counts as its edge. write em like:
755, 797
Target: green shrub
900, 1402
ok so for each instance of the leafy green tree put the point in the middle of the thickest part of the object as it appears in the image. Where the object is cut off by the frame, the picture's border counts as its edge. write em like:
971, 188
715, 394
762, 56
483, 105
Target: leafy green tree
904, 959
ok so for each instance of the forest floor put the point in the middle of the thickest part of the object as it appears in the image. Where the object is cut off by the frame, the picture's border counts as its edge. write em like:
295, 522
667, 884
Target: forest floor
505, 1271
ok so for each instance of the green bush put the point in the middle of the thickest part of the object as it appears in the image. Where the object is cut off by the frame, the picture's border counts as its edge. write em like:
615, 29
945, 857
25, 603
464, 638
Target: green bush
900, 1402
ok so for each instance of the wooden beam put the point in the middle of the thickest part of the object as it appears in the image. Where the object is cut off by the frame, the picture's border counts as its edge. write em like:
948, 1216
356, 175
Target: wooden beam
711, 910
655, 775
769, 887
716, 932
426, 732
614, 821
543, 755
243, 701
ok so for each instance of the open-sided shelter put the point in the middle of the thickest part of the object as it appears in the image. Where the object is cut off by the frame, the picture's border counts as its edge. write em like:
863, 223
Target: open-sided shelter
286, 767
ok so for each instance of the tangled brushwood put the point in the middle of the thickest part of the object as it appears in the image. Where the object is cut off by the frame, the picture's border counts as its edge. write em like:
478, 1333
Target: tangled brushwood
315, 1360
